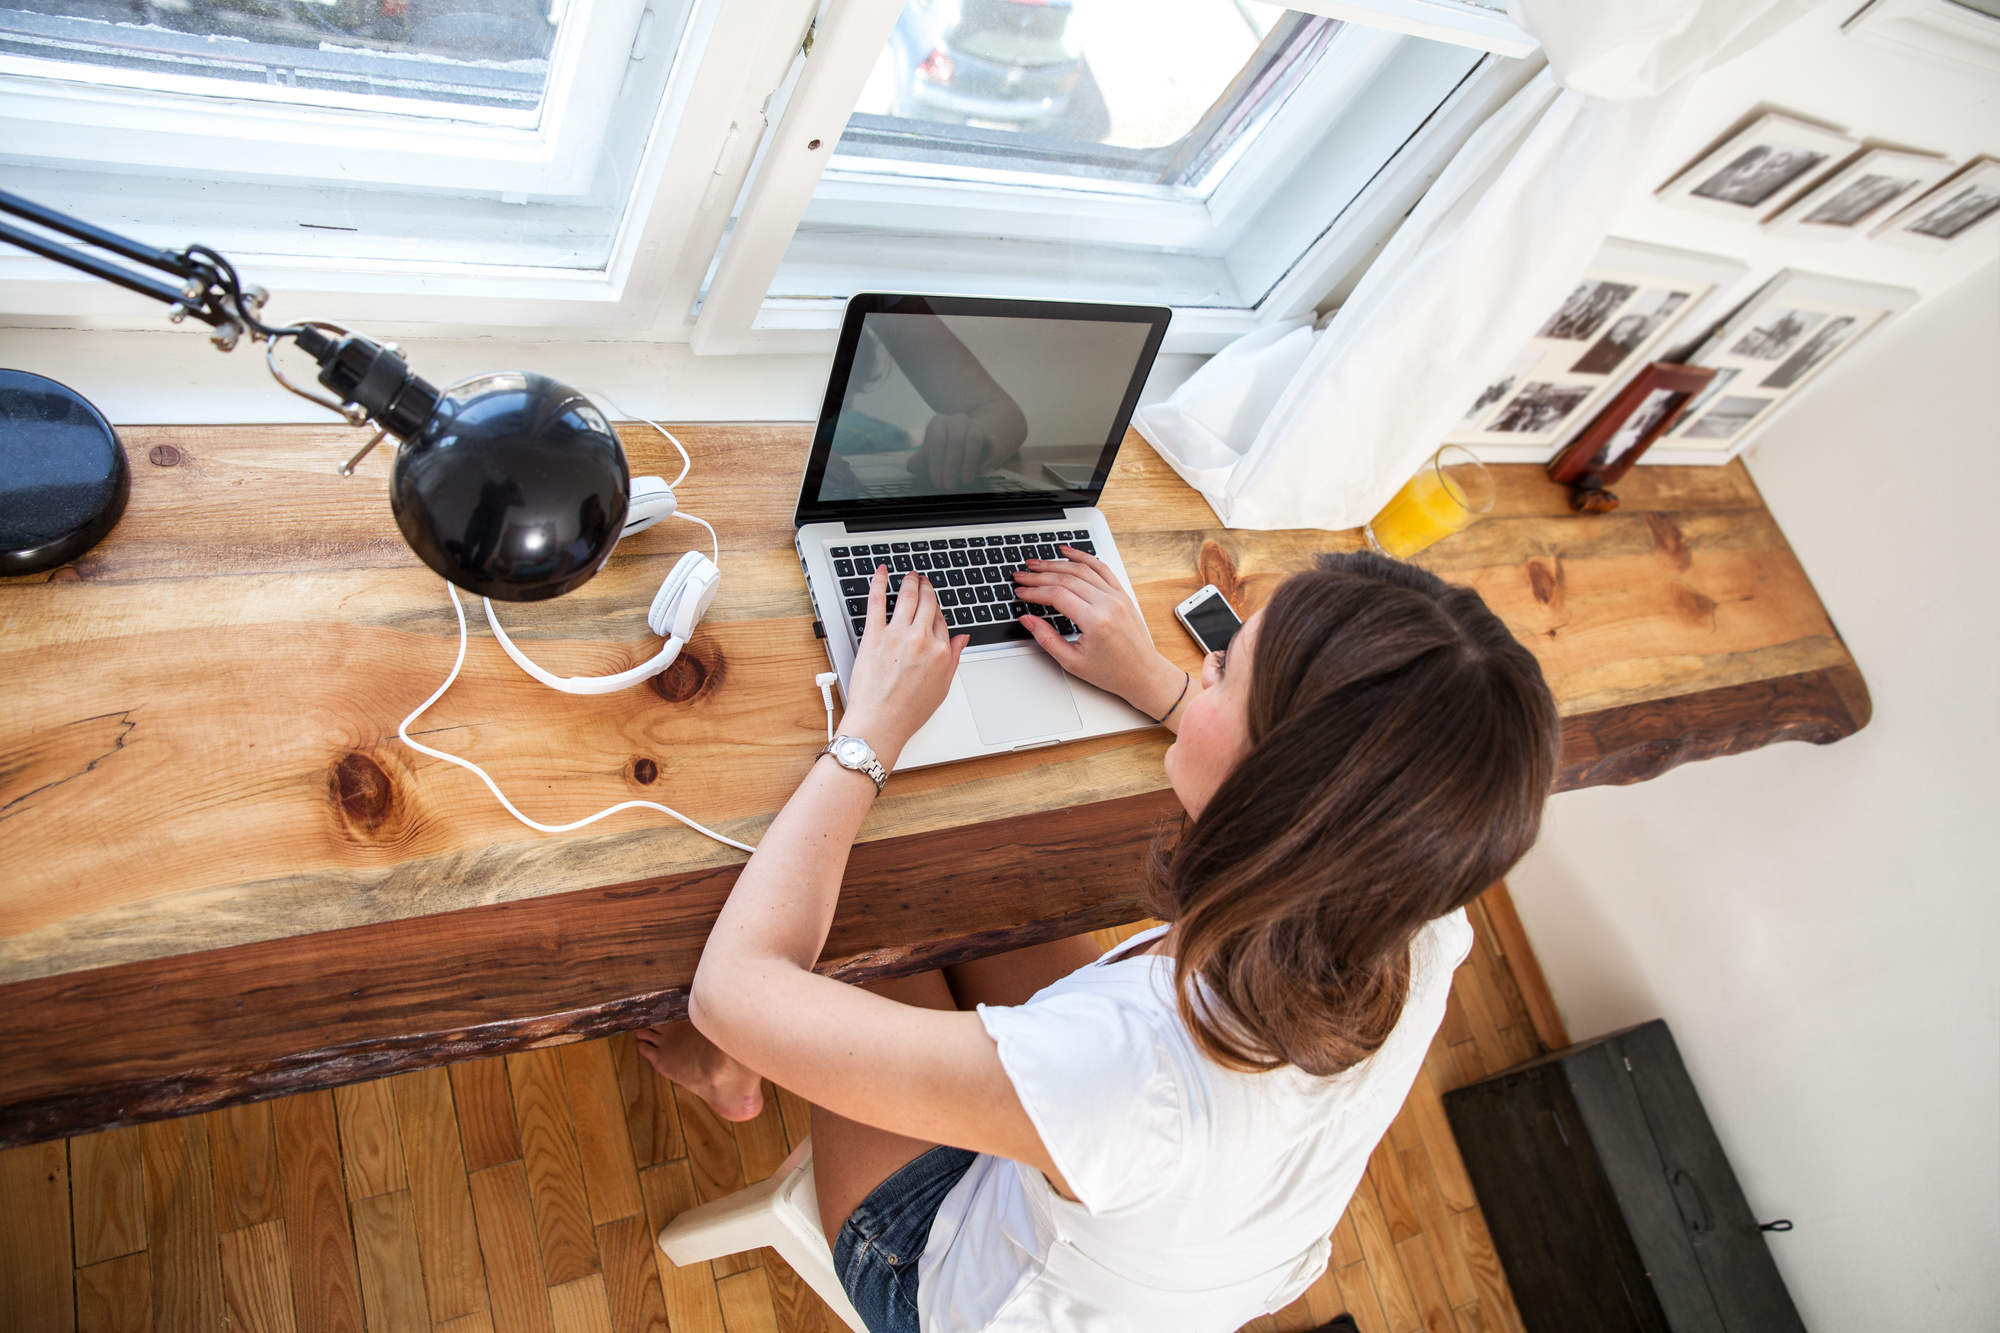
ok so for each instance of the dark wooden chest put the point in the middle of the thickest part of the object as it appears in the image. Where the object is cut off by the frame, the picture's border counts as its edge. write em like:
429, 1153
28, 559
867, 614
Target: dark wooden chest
1611, 1203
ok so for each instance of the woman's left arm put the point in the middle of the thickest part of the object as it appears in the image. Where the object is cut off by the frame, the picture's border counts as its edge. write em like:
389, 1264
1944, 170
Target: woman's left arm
924, 1073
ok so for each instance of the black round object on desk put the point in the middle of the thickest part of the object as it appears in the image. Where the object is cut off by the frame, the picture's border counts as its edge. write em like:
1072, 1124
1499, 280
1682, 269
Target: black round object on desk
63, 475
515, 489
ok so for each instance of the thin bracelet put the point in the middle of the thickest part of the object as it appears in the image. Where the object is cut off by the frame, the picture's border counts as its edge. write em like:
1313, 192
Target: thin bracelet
1186, 680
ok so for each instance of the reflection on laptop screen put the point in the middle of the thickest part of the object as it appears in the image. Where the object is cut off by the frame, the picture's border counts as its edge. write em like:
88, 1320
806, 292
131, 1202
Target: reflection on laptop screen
977, 404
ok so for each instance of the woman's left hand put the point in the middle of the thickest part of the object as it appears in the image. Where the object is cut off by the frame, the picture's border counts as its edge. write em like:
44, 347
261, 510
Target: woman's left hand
904, 667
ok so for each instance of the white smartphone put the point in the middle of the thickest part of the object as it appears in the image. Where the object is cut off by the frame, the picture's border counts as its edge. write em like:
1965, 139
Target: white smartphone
1209, 619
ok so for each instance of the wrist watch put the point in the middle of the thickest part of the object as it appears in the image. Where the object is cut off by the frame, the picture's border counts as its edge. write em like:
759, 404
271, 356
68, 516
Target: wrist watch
855, 753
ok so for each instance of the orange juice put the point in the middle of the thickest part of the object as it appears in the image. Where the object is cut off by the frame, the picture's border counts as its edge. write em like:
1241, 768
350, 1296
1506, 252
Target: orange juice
1450, 491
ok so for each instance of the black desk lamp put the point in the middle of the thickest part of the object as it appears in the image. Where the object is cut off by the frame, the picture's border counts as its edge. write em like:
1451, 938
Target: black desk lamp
511, 485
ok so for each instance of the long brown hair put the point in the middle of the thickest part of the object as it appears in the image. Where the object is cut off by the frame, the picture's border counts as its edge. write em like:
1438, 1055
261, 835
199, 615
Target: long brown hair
1401, 745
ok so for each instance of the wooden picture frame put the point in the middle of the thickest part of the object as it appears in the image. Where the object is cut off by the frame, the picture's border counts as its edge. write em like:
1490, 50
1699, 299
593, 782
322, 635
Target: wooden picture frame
1860, 195
1760, 168
1965, 205
1612, 443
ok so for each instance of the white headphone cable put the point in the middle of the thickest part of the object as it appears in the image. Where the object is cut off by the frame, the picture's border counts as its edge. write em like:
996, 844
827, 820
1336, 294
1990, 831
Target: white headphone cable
403, 731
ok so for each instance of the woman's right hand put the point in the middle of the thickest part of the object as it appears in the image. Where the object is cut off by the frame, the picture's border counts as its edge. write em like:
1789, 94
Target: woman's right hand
1113, 651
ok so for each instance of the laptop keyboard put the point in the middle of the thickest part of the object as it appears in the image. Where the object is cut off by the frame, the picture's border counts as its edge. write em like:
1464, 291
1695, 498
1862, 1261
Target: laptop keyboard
973, 577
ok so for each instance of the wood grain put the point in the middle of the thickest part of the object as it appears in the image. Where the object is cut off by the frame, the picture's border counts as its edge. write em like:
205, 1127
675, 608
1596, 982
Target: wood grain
692, 1303
631, 1276
326, 1285
182, 1242
440, 1198
108, 1195
115, 1296
485, 1107
392, 1277
371, 1149
555, 1173
36, 1289
604, 1148
243, 1149
746, 1303
514, 1282
650, 1118
581, 1306
408, 921
257, 1279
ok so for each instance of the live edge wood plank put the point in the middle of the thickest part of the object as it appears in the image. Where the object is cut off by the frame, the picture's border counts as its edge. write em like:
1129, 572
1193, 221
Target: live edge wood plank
1680, 628
317, 1011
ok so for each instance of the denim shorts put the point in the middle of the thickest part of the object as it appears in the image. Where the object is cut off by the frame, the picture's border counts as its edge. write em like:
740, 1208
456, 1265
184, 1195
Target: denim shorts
877, 1248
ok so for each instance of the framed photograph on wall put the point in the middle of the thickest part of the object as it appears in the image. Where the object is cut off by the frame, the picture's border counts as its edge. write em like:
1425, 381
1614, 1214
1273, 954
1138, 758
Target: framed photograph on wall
1610, 445
1760, 168
1965, 206
1769, 349
1622, 314
1859, 195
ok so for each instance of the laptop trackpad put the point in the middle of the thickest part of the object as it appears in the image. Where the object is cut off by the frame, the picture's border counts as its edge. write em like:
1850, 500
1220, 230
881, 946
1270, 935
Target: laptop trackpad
1018, 698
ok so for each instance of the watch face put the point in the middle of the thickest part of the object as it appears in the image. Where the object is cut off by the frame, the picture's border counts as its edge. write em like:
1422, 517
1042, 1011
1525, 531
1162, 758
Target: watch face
851, 750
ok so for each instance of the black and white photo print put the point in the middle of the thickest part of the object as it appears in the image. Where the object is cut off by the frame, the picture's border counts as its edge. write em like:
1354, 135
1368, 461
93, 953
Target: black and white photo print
1754, 177
1639, 322
1966, 205
1584, 311
1777, 335
1813, 351
1762, 168
1727, 418
1540, 408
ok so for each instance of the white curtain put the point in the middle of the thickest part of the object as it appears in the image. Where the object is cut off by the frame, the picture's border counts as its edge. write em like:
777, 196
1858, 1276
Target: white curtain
1289, 428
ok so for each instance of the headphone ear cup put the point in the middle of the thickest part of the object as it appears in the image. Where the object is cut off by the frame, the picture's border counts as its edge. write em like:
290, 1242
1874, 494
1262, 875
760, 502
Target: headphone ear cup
685, 597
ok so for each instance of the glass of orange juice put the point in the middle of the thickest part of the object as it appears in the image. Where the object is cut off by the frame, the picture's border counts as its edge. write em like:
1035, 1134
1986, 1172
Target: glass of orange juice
1448, 494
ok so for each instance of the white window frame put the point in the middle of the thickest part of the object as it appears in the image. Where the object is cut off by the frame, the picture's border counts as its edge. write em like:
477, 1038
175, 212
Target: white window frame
713, 155
697, 156
737, 315
78, 112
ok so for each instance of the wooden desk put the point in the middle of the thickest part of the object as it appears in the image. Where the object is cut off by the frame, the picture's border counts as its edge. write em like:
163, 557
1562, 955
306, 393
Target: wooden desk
225, 878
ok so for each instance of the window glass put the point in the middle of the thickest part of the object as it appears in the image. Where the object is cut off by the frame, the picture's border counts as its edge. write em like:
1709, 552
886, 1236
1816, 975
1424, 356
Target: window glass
460, 56
1127, 90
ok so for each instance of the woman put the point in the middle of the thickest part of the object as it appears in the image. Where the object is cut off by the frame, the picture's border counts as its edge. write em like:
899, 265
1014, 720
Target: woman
1163, 1139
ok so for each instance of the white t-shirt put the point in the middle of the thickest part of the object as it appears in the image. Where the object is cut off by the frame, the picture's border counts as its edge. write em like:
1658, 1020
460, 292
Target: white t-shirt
1207, 1196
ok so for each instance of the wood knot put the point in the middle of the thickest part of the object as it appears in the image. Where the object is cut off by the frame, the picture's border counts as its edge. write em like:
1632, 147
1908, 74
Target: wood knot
645, 772
1544, 582
1668, 541
1214, 566
164, 455
696, 670
362, 791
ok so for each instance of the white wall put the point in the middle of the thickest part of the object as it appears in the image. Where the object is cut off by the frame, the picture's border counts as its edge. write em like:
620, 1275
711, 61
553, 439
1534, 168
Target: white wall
1818, 924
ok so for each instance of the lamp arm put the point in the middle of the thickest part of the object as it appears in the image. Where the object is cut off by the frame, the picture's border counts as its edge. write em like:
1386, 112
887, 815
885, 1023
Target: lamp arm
209, 288
370, 380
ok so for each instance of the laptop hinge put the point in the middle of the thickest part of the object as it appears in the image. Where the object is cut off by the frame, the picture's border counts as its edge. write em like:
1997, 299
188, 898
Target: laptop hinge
1017, 514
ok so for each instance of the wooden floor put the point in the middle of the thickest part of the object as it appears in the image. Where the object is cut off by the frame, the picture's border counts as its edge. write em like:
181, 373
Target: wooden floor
522, 1196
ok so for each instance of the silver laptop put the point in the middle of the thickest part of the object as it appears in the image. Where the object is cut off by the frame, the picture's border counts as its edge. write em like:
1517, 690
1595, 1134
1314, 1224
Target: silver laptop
962, 437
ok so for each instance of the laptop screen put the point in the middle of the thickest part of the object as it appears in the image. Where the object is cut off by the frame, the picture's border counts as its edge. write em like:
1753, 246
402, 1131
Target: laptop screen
964, 405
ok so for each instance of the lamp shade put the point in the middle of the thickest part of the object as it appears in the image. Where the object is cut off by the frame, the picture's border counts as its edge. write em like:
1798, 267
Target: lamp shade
516, 487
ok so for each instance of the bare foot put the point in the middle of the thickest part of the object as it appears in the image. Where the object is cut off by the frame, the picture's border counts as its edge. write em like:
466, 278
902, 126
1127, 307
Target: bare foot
682, 1055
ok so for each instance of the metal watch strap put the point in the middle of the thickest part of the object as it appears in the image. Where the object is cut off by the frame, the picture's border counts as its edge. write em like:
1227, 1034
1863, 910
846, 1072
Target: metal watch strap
870, 767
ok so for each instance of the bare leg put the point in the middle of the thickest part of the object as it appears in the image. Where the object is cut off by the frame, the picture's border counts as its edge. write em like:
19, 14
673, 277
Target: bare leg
1011, 978
682, 1055
849, 1158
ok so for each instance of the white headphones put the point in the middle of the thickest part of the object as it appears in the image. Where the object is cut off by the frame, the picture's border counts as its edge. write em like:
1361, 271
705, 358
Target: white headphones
681, 603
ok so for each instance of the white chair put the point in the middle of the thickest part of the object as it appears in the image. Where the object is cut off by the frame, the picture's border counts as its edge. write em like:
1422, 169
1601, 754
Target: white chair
783, 1213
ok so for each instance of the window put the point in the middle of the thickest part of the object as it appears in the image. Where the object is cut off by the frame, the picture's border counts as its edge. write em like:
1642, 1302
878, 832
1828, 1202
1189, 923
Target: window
1198, 154
728, 171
